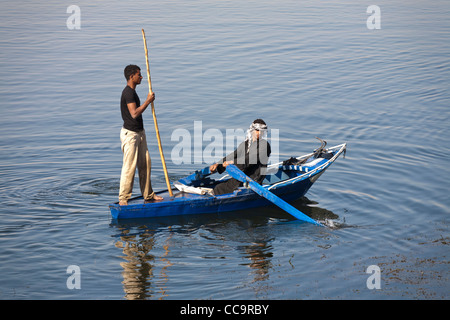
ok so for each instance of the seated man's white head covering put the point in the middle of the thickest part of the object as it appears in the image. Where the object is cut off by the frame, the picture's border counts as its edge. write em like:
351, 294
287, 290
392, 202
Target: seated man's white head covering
257, 125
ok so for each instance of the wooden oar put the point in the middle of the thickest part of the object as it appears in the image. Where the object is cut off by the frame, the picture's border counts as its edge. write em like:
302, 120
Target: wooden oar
154, 117
239, 175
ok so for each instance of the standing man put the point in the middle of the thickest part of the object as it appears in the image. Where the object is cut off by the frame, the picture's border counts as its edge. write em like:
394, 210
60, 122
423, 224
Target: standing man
134, 143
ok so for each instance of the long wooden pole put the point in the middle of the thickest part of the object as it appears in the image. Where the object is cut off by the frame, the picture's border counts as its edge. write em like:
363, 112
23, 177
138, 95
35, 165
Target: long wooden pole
154, 117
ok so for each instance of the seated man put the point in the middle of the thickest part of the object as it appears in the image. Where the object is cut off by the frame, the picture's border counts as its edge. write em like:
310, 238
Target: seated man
251, 157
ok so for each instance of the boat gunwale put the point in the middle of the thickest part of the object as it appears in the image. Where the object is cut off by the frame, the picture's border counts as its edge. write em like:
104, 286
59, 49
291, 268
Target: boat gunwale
308, 174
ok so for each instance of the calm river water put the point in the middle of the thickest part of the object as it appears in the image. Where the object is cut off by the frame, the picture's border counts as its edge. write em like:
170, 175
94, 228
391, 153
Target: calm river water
308, 68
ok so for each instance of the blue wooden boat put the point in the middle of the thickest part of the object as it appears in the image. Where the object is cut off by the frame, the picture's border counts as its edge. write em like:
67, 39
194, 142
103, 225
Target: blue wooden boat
289, 180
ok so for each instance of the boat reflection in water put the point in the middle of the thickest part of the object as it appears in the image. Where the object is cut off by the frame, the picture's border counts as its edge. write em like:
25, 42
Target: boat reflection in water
150, 247
139, 263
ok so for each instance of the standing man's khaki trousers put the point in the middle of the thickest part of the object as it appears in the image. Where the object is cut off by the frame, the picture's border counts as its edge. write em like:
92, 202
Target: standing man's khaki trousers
135, 154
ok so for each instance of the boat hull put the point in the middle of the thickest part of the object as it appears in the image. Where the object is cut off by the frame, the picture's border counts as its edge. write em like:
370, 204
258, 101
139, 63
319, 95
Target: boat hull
182, 203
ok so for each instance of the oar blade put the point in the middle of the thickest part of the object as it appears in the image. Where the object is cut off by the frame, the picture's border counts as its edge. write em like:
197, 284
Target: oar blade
241, 176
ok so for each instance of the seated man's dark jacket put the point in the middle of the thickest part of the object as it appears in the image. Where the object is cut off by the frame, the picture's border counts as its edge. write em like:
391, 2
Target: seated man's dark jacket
252, 162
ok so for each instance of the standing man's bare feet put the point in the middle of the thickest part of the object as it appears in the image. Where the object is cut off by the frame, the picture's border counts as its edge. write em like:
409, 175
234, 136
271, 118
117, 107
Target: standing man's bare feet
123, 203
155, 198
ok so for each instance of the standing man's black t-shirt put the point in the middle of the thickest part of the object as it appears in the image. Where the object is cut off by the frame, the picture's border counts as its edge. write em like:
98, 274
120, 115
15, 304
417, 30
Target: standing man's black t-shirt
129, 95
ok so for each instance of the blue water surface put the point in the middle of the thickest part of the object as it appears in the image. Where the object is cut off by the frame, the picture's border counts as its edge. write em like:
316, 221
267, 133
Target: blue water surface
307, 68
